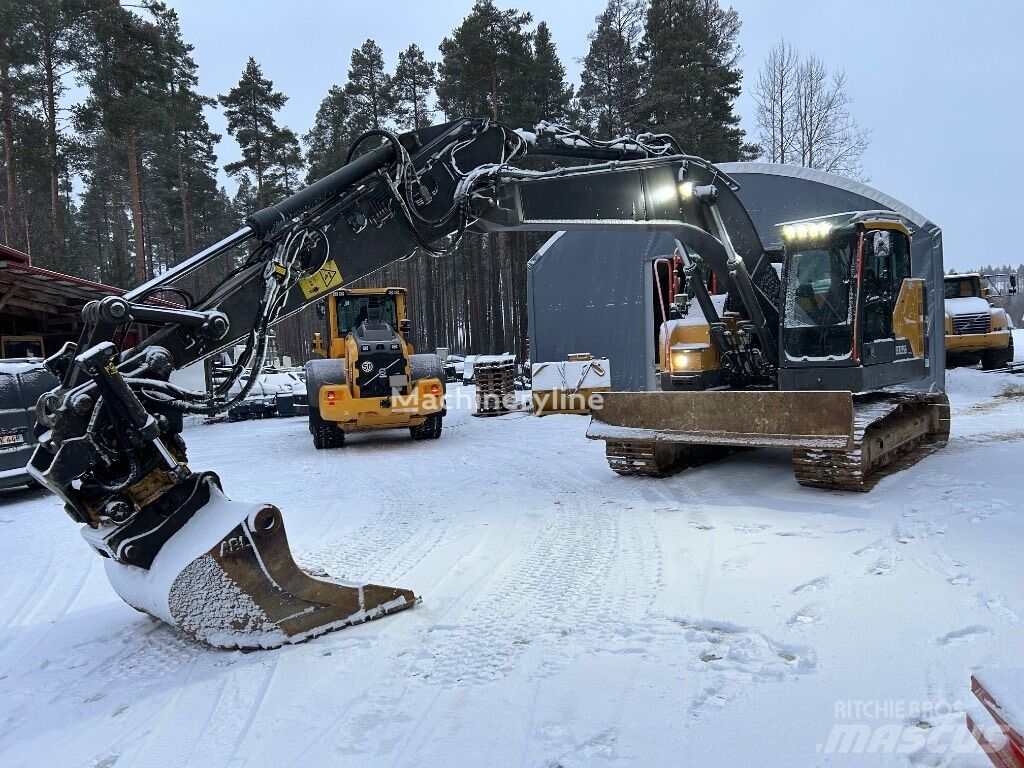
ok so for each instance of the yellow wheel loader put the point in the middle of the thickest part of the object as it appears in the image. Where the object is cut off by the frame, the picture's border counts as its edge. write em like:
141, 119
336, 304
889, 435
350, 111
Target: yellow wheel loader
847, 317
371, 378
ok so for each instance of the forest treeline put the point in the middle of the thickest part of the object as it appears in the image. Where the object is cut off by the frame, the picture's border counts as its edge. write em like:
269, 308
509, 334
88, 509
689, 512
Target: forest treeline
122, 184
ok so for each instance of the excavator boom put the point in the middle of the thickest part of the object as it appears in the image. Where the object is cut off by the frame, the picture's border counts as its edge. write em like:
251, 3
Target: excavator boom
175, 546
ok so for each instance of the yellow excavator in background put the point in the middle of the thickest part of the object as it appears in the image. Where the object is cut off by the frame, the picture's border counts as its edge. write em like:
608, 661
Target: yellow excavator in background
369, 377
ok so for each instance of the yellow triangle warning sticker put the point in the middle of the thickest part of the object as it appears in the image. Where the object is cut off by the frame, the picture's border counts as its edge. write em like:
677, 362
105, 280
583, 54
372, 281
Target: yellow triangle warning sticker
324, 279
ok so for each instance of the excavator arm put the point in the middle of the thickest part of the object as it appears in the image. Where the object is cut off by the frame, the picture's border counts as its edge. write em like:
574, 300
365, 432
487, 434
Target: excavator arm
175, 546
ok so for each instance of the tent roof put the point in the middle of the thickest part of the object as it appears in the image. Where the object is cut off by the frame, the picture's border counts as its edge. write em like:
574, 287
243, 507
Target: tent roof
775, 193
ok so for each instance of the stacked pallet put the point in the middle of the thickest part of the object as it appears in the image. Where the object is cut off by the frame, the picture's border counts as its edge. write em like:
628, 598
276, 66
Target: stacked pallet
495, 384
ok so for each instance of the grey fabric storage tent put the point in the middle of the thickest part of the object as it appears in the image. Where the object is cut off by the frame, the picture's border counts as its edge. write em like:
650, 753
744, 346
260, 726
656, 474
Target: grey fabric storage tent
590, 291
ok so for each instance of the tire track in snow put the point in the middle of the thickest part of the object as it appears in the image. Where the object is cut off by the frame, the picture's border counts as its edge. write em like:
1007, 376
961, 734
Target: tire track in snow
577, 575
722, 658
559, 587
585, 579
401, 678
40, 584
398, 536
254, 709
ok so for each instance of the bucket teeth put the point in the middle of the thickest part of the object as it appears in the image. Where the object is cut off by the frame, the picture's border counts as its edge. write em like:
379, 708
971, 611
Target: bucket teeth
242, 589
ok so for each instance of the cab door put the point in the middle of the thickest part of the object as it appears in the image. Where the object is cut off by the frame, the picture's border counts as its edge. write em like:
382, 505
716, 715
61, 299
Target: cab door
885, 265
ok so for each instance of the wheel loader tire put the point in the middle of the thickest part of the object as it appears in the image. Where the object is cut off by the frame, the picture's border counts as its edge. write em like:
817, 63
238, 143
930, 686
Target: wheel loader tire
320, 373
427, 366
962, 361
326, 434
429, 429
991, 359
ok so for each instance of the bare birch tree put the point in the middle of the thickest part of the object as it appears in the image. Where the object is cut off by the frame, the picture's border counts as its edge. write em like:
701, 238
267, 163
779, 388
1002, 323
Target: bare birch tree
804, 114
775, 94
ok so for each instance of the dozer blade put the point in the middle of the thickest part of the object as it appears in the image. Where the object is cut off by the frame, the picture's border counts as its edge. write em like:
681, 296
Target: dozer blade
227, 578
822, 420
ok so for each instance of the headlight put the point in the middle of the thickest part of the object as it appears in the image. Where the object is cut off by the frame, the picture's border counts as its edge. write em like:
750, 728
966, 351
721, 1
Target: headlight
685, 360
807, 230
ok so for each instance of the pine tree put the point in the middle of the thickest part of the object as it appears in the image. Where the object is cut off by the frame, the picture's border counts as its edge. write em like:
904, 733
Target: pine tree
249, 108
487, 70
369, 87
690, 59
141, 148
486, 64
13, 55
246, 199
188, 167
612, 80
550, 94
414, 79
288, 162
56, 39
123, 74
331, 136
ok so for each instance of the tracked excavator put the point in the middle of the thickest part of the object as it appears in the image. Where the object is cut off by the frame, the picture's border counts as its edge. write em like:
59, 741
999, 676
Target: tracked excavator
818, 353
174, 545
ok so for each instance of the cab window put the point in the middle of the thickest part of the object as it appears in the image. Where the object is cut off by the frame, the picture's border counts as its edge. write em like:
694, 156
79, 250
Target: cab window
962, 287
353, 310
886, 265
817, 323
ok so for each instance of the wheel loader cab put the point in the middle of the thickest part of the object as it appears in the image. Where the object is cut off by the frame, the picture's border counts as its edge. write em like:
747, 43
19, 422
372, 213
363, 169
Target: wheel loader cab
853, 316
377, 353
348, 310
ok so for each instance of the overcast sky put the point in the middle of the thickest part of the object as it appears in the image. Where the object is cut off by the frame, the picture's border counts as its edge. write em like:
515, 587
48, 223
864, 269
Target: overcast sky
939, 84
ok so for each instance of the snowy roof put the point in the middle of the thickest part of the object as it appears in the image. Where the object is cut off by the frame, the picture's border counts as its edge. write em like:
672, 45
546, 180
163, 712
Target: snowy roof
43, 291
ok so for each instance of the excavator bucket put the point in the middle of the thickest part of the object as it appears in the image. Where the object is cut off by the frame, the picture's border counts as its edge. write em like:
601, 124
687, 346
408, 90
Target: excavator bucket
657, 433
227, 578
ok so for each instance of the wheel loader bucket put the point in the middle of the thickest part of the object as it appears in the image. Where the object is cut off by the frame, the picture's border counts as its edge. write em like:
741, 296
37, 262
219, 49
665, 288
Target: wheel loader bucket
227, 578
822, 420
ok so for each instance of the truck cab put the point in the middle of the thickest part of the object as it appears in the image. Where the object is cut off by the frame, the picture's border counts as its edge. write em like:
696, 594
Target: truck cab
977, 330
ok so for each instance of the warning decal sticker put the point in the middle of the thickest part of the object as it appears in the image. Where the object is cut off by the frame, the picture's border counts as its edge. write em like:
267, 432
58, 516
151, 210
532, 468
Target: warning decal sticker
325, 279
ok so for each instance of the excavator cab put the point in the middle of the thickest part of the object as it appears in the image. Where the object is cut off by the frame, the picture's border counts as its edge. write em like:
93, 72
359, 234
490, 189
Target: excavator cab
854, 317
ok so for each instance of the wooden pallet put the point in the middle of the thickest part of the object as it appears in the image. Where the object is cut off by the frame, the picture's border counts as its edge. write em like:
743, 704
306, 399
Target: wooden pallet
495, 386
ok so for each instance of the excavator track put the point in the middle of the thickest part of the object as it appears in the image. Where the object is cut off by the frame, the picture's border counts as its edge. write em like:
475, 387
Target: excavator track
649, 458
889, 434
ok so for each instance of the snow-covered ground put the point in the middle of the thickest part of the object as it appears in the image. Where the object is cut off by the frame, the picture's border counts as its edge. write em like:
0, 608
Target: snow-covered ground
570, 617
